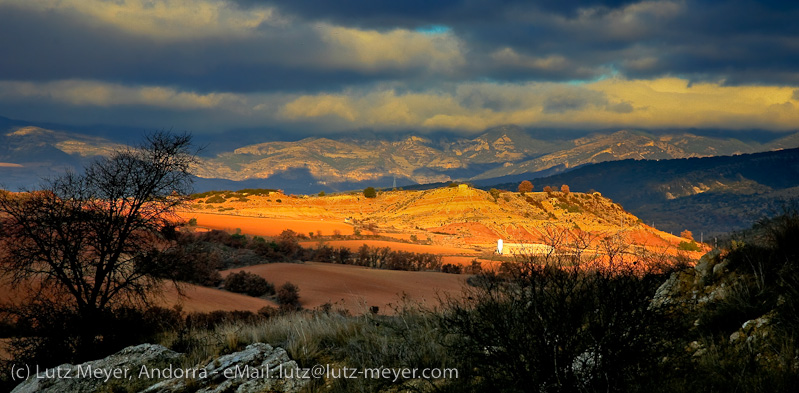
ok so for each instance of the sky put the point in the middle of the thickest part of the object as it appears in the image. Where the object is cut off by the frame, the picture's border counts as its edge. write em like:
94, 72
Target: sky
316, 67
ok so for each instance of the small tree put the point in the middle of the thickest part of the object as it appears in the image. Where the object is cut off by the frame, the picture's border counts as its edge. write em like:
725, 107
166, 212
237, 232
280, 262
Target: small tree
525, 186
548, 189
369, 192
686, 234
564, 189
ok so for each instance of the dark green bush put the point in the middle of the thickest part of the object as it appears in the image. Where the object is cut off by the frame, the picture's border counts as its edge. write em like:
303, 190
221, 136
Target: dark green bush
370, 192
215, 199
248, 283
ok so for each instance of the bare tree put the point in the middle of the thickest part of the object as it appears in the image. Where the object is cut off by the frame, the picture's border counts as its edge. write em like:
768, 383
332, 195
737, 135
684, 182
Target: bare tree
89, 240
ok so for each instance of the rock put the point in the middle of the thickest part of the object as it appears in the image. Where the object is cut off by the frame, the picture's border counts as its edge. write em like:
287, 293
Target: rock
752, 324
704, 267
665, 291
90, 376
257, 368
720, 267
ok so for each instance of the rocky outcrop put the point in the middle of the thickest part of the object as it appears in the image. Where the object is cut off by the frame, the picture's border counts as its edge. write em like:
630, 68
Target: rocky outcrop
258, 368
155, 369
91, 376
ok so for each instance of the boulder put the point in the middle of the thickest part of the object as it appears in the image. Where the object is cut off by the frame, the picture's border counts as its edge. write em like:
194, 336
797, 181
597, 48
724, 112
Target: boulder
258, 368
90, 376
156, 369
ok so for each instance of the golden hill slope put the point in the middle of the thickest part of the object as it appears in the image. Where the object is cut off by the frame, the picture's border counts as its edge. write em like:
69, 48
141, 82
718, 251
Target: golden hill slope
457, 216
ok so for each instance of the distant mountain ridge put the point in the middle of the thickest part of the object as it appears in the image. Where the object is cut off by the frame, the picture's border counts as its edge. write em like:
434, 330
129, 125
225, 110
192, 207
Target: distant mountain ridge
336, 163
710, 195
500, 152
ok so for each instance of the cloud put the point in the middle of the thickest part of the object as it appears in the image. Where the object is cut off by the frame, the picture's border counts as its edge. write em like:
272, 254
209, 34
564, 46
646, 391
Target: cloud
508, 56
399, 48
571, 99
324, 106
461, 64
470, 106
162, 19
100, 94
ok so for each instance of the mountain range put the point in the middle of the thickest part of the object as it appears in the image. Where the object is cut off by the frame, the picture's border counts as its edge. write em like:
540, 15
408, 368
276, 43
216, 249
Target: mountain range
501, 153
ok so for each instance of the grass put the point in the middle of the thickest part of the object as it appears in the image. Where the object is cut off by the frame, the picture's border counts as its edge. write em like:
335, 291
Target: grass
408, 339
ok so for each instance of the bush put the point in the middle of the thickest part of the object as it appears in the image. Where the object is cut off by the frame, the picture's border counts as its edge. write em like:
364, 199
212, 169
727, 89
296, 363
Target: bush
689, 246
525, 186
248, 283
215, 199
451, 268
370, 192
557, 329
288, 296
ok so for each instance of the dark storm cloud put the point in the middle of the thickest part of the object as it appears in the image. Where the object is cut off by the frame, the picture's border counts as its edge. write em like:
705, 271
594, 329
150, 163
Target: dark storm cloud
415, 13
570, 99
461, 64
740, 41
49, 46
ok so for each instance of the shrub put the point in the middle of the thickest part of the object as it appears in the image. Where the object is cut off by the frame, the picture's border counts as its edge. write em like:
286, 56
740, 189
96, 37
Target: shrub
559, 329
564, 189
248, 283
215, 199
193, 222
525, 186
288, 296
321, 193
451, 268
370, 192
689, 246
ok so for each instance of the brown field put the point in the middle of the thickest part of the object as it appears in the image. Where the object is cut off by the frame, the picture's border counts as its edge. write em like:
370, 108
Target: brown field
354, 245
357, 288
196, 298
262, 226
202, 299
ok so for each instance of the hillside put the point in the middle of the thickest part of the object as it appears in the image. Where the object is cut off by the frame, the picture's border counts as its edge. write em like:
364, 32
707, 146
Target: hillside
711, 195
453, 217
